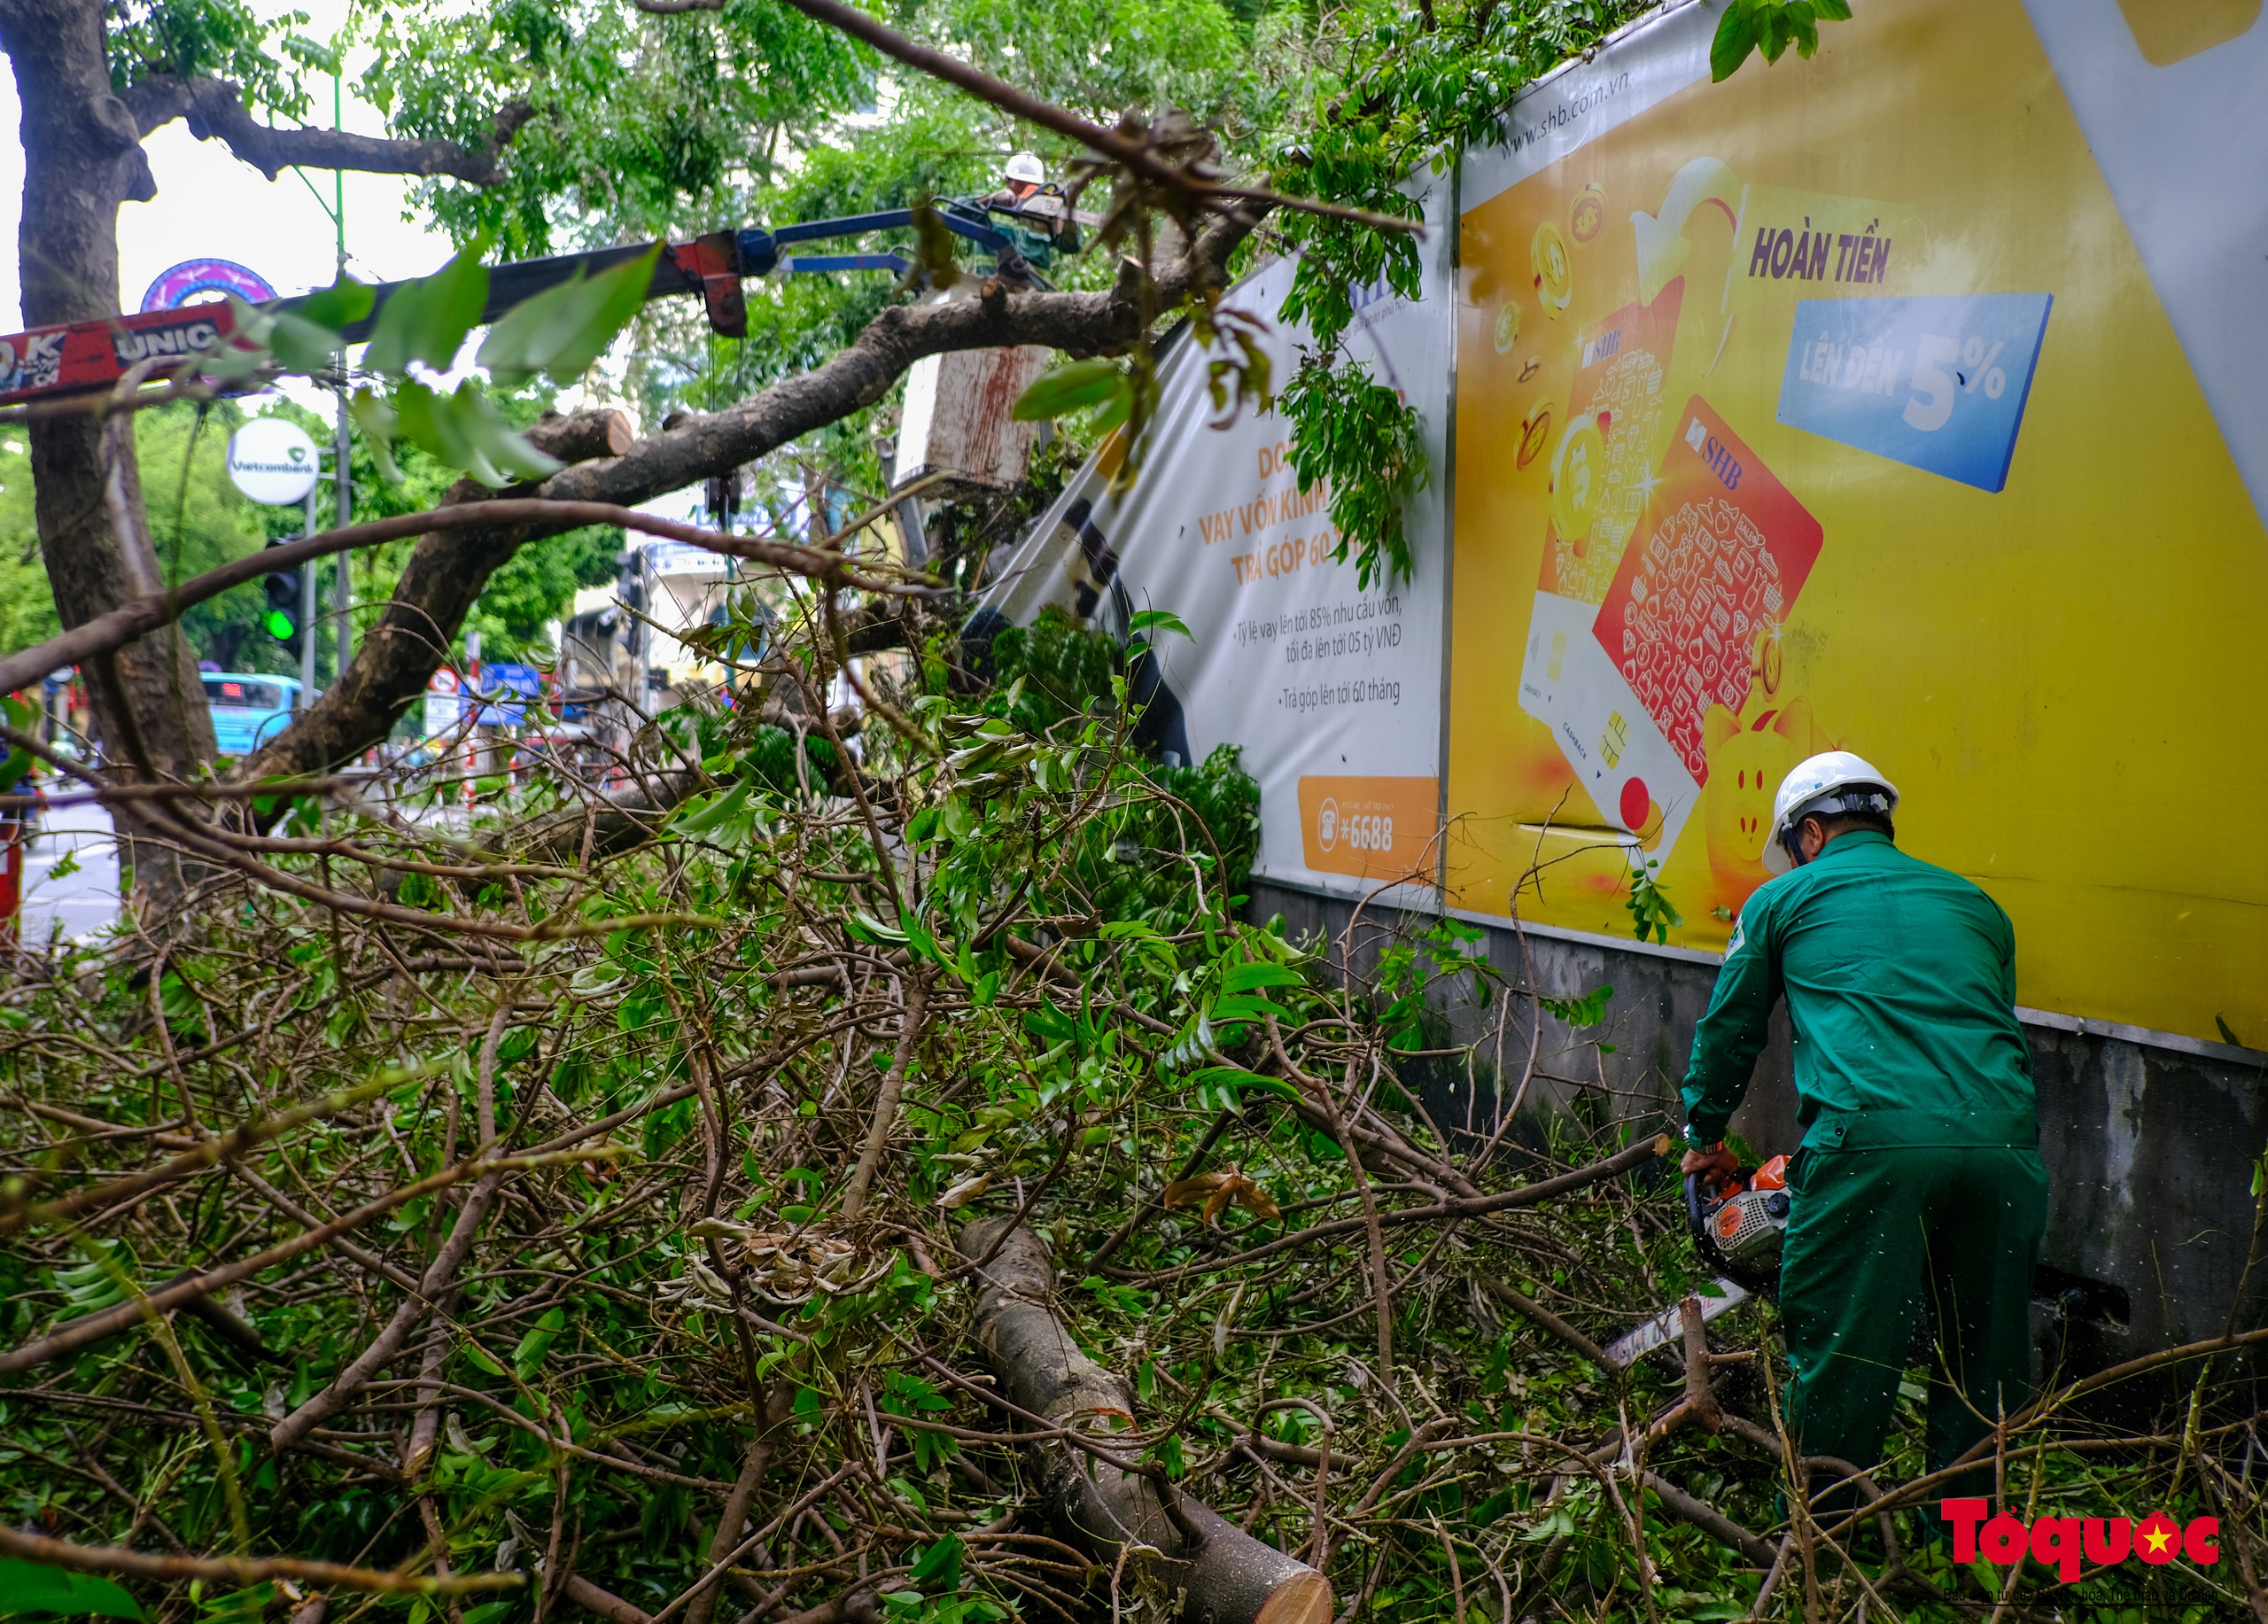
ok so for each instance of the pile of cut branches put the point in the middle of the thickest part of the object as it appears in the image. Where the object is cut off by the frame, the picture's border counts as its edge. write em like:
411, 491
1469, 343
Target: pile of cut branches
896, 1181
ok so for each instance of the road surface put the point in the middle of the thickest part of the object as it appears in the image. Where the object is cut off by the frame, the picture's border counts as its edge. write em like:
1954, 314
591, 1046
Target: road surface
80, 901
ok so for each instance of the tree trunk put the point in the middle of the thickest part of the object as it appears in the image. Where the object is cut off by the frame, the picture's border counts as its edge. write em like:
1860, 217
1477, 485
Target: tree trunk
1229, 1577
413, 637
82, 158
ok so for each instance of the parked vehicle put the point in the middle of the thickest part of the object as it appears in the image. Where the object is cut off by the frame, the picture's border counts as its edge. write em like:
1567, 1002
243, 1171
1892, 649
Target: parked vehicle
248, 709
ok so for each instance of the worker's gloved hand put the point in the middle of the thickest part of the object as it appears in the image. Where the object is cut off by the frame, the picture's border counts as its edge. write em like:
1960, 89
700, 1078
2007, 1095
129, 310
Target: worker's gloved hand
1721, 1161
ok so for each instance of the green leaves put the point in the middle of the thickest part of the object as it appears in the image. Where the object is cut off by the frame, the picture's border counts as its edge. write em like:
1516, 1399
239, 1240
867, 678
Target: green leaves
714, 814
561, 331
465, 429
33, 1588
528, 1356
939, 1568
1250, 977
1363, 442
343, 302
1146, 621
1588, 1010
1122, 395
1651, 912
1770, 27
426, 320
1071, 388
104, 1281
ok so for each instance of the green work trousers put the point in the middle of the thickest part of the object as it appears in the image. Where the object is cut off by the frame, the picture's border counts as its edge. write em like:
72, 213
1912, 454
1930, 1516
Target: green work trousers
1890, 1209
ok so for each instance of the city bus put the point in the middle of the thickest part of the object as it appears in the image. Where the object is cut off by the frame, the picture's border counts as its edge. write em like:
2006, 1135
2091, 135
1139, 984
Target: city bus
248, 709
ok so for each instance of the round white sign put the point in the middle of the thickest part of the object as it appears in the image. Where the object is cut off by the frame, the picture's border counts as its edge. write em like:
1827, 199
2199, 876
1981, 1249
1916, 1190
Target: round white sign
273, 461
444, 681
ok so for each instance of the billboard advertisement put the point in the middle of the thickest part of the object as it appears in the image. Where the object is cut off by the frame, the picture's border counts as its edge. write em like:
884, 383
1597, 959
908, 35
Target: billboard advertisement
1330, 691
1906, 399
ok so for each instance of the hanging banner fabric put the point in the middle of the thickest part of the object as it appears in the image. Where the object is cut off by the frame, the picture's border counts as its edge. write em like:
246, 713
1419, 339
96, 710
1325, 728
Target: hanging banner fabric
1330, 691
1907, 400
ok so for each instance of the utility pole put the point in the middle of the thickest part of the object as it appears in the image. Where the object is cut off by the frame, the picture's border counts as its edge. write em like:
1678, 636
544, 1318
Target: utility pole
307, 610
342, 474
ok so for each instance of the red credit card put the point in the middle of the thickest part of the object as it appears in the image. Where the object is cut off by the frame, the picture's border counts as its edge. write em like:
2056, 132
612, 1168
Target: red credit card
1726, 549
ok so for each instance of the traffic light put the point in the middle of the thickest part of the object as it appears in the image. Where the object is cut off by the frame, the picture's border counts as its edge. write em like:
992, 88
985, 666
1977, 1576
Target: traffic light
282, 620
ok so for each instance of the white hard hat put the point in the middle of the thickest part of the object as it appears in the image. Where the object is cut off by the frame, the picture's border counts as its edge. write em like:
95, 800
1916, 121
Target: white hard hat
1026, 167
1837, 781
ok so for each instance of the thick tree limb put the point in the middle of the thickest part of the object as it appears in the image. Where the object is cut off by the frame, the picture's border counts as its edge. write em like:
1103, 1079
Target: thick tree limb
1193, 182
214, 107
447, 570
606, 1604
1700, 1392
1229, 1576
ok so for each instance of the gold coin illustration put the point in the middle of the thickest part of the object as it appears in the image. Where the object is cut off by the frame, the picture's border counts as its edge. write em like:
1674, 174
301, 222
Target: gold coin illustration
1589, 214
1508, 327
1555, 279
1578, 478
1535, 428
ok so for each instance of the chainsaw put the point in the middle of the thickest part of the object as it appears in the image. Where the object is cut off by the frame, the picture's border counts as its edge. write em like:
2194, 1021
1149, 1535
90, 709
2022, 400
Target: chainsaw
1739, 1223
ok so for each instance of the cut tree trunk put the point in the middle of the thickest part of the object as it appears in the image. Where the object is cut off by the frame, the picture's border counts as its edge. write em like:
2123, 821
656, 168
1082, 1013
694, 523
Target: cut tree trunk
1228, 1576
82, 158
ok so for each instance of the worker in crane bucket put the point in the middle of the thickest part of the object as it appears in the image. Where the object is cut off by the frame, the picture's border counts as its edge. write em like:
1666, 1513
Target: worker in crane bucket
1041, 223
1918, 1177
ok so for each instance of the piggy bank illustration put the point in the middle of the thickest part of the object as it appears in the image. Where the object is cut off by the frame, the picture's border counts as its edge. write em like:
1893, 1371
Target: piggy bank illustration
1747, 759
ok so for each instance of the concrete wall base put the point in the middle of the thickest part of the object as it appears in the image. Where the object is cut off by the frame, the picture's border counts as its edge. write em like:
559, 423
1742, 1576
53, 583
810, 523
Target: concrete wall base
2150, 1147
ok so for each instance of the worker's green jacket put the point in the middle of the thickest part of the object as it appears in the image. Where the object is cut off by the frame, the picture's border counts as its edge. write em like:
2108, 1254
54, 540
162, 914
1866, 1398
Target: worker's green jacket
1900, 981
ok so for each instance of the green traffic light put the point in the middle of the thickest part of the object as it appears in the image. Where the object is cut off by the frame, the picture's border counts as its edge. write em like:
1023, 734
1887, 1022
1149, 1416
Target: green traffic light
279, 626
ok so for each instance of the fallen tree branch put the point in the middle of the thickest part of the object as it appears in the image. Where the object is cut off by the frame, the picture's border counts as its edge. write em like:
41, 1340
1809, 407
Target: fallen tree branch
225, 1147
106, 633
1522, 1304
74, 1334
1227, 1576
1442, 1211
118, 1561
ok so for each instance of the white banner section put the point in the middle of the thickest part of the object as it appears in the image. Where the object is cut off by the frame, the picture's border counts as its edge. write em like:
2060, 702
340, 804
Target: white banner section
1331, 692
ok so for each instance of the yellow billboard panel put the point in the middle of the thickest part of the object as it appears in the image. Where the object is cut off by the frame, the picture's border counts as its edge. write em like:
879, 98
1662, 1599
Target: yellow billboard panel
1842, 405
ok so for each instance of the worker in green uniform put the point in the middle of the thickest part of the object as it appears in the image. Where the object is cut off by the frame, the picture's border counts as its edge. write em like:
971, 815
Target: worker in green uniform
1919, 1177
1031, 212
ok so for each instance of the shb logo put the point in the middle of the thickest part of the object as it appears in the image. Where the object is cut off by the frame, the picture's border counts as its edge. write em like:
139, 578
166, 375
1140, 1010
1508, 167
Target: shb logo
1326, 825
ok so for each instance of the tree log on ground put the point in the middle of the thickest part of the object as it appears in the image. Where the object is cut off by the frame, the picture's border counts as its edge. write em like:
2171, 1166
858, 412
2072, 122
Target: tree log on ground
1229, 1577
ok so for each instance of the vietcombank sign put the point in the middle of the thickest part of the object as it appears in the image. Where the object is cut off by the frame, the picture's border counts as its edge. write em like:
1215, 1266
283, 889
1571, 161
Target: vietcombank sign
1908, 400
